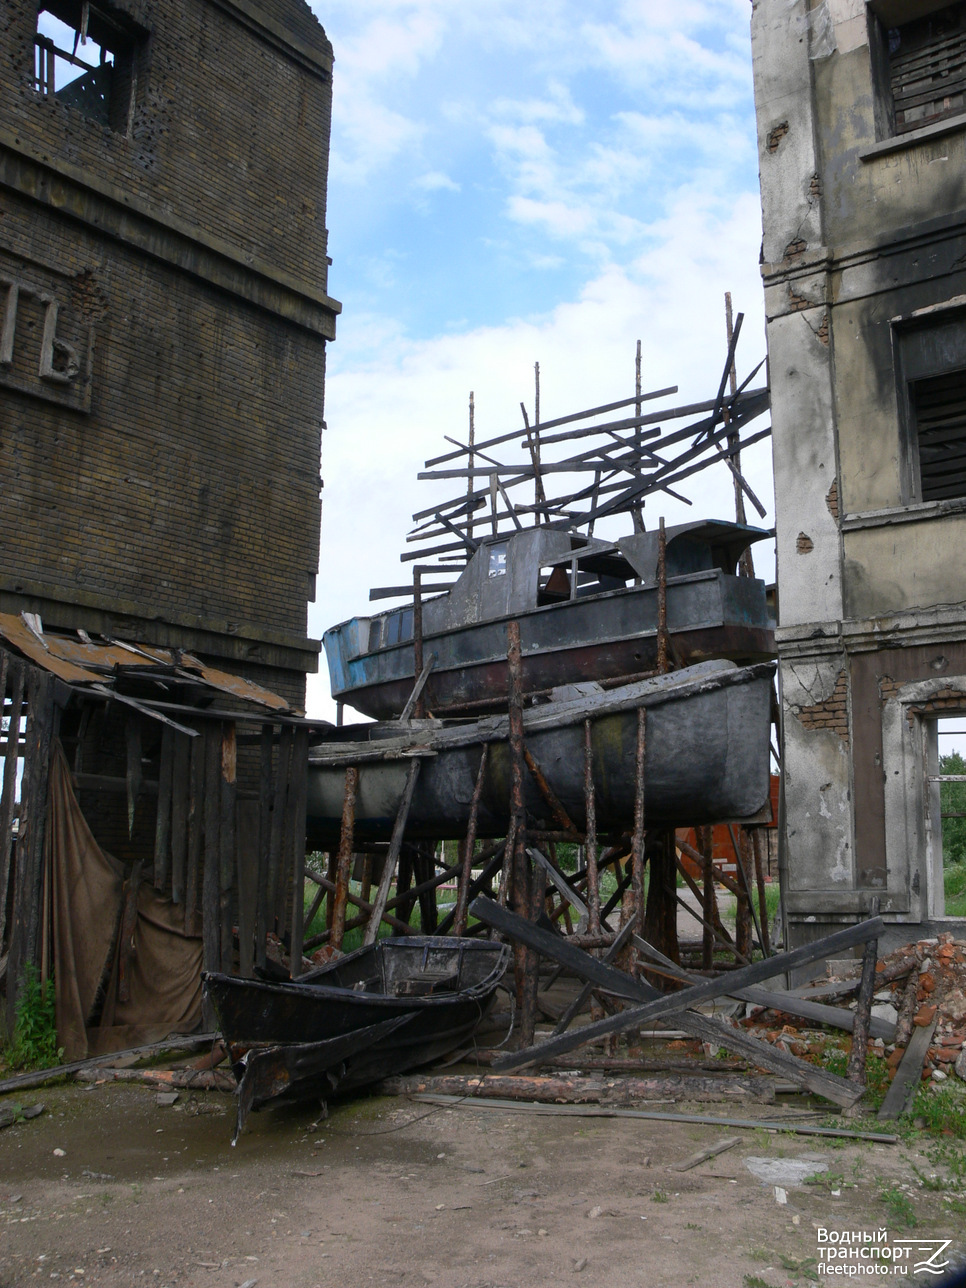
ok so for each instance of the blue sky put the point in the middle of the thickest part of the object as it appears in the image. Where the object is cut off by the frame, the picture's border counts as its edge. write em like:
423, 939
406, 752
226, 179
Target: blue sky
513, 182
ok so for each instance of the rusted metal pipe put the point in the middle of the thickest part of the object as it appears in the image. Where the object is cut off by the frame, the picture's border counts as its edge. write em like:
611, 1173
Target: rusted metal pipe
419, 711
549, 795
344, 861
662, 634
469, 844
705, 839
519, 893
590, 839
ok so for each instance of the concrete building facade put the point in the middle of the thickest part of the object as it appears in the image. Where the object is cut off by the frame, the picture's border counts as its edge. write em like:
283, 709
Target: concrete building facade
862, 146
164, 316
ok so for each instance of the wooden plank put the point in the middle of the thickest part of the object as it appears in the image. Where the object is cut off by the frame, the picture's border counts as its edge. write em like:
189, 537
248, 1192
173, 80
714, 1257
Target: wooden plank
660, 1007
779, 1000
703, 1155
210, 900
299, 791
180, 778
863, 1011
908, 1076
266, 747
162, 829
227, 786
795, 1126
277, 877
26, 936
133, 769
38, 1077
579, 415
196, 796
392, 858
15, 675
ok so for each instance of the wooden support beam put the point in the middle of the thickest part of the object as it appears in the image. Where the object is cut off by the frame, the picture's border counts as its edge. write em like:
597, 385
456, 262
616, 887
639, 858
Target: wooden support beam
15, 678
392, 857
662, 1007
905, 1083
469, 844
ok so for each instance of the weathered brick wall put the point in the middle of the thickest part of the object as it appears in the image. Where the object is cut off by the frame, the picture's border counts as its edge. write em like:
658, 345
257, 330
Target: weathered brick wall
194, 481
229, 131
175, 480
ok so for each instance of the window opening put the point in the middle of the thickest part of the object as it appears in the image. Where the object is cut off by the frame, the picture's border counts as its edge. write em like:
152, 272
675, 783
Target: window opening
927, 68
951, 781
939, 409
932, 388
84, 57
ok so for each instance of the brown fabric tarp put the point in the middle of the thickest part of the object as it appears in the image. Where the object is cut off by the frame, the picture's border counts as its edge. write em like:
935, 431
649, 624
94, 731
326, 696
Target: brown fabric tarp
87, 896
86, 886
164, 980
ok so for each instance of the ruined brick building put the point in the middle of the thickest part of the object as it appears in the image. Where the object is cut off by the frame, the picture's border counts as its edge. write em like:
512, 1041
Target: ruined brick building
862, 143
163, 323
163, 258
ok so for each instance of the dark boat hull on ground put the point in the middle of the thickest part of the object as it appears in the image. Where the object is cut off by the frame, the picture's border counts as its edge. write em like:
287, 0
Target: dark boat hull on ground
379, 1011
707, 760
602, 624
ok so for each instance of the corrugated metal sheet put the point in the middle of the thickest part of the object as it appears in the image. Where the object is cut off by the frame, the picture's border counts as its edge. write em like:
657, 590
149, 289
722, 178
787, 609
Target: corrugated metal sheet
79, 661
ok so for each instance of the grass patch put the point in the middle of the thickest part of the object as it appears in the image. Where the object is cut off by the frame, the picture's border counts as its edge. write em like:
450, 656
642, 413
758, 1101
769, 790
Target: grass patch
954, 885
900, 1206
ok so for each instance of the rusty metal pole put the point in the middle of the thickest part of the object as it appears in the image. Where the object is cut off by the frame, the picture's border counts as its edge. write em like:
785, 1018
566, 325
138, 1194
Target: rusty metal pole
662, 640
743, 906
637, 839
590, 841
709, 902
419, 710
344, 862
760, 883
466, 876
746, 565
637, 510
519, 894
472, 462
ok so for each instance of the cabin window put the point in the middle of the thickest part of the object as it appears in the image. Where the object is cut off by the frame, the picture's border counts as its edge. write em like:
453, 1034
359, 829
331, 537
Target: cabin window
375, 635
85, 56
497, 563
554, 585
399, 626
932, 378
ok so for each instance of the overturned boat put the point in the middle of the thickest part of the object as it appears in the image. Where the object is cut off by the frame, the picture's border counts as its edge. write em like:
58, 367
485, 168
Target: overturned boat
381, 1010
706, 760
588, 610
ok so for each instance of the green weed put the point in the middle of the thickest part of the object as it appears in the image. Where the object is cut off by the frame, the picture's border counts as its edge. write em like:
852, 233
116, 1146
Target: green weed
900, 1206
34, 1044
659, 1196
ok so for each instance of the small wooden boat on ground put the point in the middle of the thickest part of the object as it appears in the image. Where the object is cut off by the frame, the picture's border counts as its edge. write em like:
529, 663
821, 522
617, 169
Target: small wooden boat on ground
587, 608
707, 760
381, 1010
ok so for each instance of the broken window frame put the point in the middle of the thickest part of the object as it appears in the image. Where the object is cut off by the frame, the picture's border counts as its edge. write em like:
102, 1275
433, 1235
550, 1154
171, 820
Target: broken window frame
929, 349
120, 44
932, 792
887, 21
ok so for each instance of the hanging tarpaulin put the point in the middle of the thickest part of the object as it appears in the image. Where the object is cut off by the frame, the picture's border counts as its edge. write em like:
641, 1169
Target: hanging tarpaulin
85, 886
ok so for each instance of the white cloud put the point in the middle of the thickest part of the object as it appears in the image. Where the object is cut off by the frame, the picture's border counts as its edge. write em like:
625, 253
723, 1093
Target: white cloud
436, 181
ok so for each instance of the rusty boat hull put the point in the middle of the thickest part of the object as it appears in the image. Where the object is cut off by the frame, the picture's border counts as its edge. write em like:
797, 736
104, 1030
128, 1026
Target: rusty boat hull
706, 760
587, 613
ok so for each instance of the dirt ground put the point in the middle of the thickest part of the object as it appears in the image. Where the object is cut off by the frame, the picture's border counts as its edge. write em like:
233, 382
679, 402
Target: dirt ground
110, 1187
